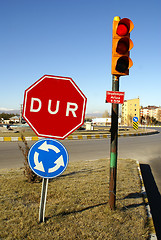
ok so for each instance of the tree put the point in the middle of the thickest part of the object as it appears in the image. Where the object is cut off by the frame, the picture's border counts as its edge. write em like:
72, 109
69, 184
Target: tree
6, 116
129, 120
105, 114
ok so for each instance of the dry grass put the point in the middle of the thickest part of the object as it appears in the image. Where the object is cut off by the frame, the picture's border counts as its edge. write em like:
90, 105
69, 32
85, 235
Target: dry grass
77, 204
14, 133
30, 133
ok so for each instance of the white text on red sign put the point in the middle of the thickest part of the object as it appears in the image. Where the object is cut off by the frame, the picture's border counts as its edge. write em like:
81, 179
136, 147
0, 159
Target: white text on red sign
115, 97
71, 107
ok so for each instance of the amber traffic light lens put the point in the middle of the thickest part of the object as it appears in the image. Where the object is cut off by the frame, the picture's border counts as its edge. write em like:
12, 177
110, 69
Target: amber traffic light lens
122, 29
122, 64
122, 46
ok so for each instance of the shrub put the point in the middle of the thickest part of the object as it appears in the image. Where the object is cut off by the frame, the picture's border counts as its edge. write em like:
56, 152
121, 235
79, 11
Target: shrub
29, 174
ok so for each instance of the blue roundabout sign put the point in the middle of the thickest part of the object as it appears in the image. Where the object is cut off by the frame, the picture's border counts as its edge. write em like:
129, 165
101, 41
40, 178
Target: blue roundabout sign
48, 158
135, 119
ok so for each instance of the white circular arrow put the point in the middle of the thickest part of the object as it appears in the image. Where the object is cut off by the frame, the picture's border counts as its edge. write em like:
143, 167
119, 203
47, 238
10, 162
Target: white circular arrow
38, 165
45, 147
59, 162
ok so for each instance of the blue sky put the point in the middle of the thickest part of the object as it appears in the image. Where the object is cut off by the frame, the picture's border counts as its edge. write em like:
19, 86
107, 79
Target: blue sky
73, 38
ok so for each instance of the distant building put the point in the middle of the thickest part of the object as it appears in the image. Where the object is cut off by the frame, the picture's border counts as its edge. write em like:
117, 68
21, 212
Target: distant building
14, 119
103, 121
158, 114
151, 112
130, 109
4, 121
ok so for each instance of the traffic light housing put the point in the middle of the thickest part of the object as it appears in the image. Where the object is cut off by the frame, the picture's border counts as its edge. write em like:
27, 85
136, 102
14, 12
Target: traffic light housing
121, 46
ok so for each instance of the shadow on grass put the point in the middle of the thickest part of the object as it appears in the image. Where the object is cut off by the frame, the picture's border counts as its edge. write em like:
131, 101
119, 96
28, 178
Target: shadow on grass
83, 171
72, 174
154, 197
132, 196
76, 172
65, 213
134, 205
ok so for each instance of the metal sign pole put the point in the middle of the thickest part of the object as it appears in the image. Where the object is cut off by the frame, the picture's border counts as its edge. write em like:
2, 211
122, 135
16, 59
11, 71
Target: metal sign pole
114, 140
37, 159
43, 199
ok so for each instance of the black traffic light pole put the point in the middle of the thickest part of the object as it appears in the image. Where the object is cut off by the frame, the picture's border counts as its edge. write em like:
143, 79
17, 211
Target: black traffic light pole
114, 141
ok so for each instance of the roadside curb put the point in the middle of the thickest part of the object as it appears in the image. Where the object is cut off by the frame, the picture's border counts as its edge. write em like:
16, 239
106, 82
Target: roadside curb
147, 206
77, 137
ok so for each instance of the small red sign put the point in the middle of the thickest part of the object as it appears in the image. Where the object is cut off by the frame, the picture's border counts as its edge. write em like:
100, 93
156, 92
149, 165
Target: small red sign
115, 97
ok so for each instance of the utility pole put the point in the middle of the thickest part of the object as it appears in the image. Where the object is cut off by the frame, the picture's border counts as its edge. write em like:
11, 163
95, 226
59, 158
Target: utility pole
20, 113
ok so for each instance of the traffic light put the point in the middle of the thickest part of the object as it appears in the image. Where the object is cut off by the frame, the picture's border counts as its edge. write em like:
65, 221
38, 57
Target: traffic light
121, 46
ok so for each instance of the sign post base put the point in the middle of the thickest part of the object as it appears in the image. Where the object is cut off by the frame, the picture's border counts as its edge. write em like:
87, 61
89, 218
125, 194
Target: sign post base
43, 199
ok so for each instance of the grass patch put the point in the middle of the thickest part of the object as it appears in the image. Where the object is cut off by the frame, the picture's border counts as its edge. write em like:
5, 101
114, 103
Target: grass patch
26, 133
30, 133
77, 204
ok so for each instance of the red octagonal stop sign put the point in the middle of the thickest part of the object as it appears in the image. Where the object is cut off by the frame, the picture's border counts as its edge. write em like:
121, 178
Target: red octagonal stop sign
54, 107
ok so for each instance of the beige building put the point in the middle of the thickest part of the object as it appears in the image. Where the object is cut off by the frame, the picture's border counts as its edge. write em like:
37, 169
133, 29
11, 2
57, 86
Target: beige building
150, 114
158, 114
130, 109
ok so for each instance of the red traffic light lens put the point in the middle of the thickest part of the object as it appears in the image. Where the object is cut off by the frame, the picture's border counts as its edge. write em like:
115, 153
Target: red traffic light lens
122, 29
122, 64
